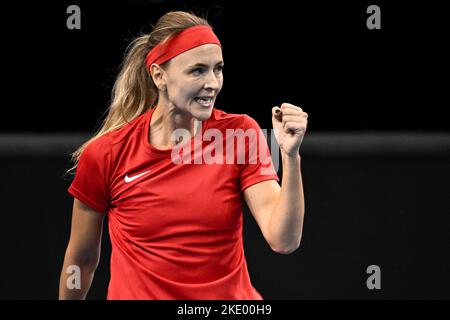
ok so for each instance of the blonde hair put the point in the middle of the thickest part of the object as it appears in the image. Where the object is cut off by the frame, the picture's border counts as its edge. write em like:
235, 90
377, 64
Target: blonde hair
134, 91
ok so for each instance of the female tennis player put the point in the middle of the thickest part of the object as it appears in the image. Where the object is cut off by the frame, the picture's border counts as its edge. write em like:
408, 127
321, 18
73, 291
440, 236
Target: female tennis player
172, 174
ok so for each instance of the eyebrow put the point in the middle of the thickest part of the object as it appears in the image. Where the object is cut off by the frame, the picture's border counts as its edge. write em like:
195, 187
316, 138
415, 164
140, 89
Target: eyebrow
203, 65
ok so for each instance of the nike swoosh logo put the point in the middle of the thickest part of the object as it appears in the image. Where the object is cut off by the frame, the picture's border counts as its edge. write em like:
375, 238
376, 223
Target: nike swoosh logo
129, 179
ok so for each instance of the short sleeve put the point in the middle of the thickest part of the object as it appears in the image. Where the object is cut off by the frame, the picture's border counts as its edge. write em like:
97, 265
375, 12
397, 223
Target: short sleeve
91, 182
258, 165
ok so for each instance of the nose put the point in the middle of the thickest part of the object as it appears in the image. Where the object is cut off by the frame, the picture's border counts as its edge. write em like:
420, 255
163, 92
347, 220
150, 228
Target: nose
212, 82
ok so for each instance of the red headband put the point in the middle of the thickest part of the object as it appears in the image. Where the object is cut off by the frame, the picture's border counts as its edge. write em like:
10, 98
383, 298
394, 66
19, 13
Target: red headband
185, 40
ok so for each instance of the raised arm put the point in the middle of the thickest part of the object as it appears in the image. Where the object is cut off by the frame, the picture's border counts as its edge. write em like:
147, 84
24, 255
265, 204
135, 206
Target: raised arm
279, 212
83, 251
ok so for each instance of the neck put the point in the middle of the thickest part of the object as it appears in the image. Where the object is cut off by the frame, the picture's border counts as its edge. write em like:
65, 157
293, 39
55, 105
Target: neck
166, 119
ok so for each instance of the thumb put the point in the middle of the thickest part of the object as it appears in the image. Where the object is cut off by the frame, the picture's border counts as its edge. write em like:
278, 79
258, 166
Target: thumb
276, 113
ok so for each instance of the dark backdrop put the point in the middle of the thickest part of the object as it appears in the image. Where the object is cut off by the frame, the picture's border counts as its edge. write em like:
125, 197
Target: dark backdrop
388, 210
317, 54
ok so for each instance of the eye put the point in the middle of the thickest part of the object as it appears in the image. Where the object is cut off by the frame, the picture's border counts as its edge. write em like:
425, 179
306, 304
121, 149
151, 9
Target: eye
197, 70
220, 68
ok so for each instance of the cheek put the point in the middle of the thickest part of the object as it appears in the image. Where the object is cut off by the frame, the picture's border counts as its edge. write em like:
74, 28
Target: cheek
182, 93
180, 90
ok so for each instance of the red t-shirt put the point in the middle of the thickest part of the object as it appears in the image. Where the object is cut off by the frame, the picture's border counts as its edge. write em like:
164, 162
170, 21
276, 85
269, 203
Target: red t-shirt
175, 228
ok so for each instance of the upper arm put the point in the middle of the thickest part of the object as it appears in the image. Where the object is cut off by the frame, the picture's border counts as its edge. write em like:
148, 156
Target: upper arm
261, 199
86, 233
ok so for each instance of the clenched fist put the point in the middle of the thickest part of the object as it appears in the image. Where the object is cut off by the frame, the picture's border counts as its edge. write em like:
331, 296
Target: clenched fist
289, 124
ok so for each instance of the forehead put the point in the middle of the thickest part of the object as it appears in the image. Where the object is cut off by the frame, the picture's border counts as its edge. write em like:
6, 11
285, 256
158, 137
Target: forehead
209, 54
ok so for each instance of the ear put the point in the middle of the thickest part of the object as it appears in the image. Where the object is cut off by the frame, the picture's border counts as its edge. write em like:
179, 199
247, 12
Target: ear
158, 75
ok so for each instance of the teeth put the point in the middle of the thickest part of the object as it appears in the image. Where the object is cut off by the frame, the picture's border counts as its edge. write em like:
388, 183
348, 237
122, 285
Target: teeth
204, 100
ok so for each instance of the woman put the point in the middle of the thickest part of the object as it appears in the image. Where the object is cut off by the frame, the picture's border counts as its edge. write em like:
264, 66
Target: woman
175, 219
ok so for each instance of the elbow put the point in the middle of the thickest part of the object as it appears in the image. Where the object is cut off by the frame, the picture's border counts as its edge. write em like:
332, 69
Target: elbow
87, 265
286, 249
89, 261
85, 259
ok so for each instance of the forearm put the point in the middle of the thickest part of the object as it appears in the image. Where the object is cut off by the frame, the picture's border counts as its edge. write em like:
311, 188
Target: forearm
74, 285
286, 220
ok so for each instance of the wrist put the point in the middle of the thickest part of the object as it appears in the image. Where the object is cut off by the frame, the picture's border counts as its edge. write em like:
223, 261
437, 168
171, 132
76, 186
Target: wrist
290, 157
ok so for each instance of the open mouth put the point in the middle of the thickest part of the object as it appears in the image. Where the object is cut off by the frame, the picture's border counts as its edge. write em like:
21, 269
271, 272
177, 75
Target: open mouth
204, 101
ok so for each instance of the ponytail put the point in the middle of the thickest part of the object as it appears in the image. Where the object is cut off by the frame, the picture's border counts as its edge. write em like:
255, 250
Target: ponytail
134, 91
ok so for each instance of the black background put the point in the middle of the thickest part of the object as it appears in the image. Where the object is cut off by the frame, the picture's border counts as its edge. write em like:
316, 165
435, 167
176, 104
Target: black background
315, 54
388, 211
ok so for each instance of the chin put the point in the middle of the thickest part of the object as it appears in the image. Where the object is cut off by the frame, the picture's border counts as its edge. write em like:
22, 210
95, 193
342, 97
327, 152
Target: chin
203, 114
